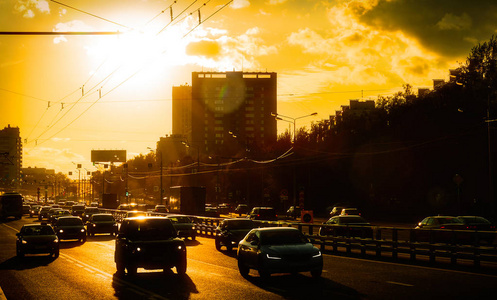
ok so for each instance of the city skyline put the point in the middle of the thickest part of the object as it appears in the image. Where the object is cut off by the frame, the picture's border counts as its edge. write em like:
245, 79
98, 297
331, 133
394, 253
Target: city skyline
71, 94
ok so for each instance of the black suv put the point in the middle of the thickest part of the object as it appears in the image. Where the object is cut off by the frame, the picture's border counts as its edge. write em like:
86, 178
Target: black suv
231, 231
149, 243
263, 213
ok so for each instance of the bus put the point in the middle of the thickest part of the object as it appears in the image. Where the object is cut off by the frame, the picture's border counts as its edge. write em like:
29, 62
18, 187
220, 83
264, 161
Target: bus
11, 205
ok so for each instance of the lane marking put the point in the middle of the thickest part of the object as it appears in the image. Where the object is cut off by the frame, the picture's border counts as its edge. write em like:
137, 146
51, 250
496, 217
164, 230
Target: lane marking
400, 283
10, 227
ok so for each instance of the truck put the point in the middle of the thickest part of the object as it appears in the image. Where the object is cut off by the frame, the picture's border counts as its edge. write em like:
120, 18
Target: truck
188, 200
11, 205
110, 201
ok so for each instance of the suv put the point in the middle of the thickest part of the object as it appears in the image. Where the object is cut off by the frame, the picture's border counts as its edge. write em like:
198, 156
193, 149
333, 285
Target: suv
149, 243
263, 213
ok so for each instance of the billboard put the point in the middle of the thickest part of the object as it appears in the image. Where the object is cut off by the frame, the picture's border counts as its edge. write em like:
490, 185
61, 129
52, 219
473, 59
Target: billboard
108, 156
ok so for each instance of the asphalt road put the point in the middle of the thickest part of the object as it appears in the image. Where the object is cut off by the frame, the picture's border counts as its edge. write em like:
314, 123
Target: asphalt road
87, 271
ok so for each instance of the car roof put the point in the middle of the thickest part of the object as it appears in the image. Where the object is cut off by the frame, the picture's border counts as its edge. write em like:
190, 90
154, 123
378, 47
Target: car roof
36, 225
276, 229
69, 217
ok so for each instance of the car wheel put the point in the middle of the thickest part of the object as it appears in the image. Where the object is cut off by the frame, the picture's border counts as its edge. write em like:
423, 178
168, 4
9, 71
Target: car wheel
131, 270
316, 273
218, 245
181, 266
243, 269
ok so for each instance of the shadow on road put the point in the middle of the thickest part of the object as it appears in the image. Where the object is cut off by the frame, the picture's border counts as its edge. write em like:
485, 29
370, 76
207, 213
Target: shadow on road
27, 262
149, 285
300, 286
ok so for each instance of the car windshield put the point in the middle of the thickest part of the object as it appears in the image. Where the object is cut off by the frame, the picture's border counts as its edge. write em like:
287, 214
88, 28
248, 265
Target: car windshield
103, 218
240, 224
448, 220
69, 222
38, 230
151, 229
180, 219
352, 220
282, 237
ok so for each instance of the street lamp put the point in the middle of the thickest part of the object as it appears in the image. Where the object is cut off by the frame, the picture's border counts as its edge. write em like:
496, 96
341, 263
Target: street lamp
281, 117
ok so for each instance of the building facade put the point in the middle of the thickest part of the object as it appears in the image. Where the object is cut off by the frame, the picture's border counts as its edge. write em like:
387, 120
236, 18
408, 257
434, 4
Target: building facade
229, 112
10, 159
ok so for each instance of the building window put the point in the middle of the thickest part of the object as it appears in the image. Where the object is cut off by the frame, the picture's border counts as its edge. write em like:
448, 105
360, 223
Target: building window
217, 122
249, 115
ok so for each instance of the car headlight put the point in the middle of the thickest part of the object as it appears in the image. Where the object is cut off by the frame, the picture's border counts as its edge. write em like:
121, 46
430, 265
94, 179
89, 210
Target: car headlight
94, 225
317, 254
55, 241
270, 256
24, 241
193, 227
61, 231
82, 230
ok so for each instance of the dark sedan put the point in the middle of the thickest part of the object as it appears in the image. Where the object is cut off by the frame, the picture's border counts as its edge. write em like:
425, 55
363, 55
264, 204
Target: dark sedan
440, 229
70, 228
483, 228
101, 223
231, 231
184, 226
37, 239
347, 225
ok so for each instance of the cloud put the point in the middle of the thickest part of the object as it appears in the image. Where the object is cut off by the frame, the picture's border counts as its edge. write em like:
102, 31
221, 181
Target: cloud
51, 158
75, 25
276, 2
28, 7
448, 27
209, 49
237, 4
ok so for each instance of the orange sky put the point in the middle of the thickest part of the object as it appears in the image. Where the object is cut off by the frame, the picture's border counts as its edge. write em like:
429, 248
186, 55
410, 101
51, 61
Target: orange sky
72, 94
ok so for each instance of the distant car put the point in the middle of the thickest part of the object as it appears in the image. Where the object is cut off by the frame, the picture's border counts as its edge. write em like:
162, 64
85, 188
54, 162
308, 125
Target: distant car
231, 231
350, 211
101, 223
149, 243
293, 212
51, 212
70, 228
94, 204
43, 212
425, 233
477, 223
25, 209
37, 239
184, 226
69, 203
263, 213
161, 208
34, 210
211, 212
347, 225
135, 213
242, 209
88, 212
278, 250
224, 208
57, 214
78, 210
337, 209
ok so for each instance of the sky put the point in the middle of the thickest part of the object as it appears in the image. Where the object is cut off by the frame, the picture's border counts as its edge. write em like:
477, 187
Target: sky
75, 93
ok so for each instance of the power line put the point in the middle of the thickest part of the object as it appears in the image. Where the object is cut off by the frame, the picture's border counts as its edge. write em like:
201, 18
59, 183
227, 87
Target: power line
60, 32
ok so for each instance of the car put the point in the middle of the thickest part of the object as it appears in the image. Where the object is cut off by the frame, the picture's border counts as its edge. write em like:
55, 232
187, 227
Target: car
349, 211
88, 212
242, 209
94, 204
224, 208
35, 209
135, 213
77, 210
231, 231
347, 225
69, 203
51, 212
425, 233
149, 243
278, 250
25, 209
161, 208
184, 226
58, 213
37, 239
70, 228
263, 213
43, 212
101, 223
211, 212
477, 223
293, 212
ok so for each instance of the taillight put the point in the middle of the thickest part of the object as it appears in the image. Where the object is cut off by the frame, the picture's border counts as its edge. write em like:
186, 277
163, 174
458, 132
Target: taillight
442, 227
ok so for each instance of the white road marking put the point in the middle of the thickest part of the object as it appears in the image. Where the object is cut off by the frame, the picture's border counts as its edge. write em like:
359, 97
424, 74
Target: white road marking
400, 283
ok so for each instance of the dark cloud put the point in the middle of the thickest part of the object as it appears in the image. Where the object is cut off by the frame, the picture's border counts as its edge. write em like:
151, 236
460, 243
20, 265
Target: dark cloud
209, 49
448, 27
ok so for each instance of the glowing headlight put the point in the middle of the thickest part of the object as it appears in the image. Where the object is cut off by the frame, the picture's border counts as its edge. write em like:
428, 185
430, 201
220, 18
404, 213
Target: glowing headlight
82, 230
24, 242
56, 240
94, 225
138, 249
180, 247
193, 227
272, 257
317, 255
61, 231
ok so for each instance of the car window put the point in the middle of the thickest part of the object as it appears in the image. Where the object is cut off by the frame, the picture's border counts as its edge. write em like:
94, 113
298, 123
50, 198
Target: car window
282, 237
240, 224
151, 229
38, 230
252, 237
69, 222
180, 219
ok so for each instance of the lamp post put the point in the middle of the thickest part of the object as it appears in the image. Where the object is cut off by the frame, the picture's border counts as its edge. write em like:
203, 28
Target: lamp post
159, 153
281, 117
198, 158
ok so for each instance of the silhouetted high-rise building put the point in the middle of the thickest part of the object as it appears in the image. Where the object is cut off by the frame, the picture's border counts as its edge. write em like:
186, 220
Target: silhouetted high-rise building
228, 111
10, 159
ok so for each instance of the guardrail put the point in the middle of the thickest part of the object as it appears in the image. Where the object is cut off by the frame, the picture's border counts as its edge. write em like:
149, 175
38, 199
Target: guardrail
378, 241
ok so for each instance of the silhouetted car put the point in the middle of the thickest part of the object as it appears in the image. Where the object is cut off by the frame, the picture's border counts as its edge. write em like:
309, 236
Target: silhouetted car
101, 223
51, 212
34, 210
427, 229
149, 243
293, 212
88, 212
184, 226
349, 211
135, 213
484, 229
161, 208
25, 209
77, 210
57, 214
242, 209
347, 225
37, 239
231, 231
278, 250
43, 212
211, 212
263, 213
70, 228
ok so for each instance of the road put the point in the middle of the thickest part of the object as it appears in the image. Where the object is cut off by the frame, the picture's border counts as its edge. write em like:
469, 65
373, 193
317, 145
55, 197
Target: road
86, 271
